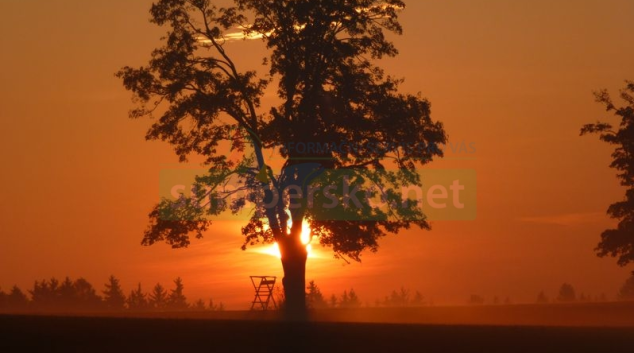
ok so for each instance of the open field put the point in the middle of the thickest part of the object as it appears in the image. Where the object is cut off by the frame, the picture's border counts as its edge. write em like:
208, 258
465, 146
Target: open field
460, 329
605, 314
617, 314
81, 334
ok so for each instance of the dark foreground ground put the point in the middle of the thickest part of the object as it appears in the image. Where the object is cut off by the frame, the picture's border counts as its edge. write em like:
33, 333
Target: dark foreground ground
90, 334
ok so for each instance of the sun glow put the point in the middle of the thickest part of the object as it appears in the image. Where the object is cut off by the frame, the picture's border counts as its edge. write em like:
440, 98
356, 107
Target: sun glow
274, 249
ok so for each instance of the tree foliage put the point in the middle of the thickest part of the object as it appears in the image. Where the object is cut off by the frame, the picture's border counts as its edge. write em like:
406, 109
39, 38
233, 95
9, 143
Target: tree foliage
137, 300
323, 60
3, 299
215, 307
619, 242
322, 57
69, 295
333, 301
349, 300
566, 293
114, 299
79, 296
158, 298
627, 290
475, 299
16, 299
199, 305
314, 298
177, 299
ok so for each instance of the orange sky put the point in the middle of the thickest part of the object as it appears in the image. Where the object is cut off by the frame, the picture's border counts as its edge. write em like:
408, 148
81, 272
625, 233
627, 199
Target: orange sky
513, 77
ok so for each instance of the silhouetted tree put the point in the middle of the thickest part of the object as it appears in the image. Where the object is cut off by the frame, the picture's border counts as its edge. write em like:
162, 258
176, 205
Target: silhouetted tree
333, 302
114, 298
137, 300
68, 298
619, 242
86, 296
566, 293
54, 285
218, 307
280, 298
343, 302
45, 295
349, 300
582, 297
176, 299
418, 300
402, 298
323, 57
17, 300
475, 299
158, 298
3, 300
353, 299
627, 290
314, 297
199, 305
398, 298
542, 298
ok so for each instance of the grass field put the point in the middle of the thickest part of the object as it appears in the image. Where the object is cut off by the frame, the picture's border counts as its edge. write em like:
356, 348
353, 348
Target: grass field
600, 328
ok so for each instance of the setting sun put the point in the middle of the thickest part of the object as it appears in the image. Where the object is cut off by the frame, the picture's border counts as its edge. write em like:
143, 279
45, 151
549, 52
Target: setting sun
274, 249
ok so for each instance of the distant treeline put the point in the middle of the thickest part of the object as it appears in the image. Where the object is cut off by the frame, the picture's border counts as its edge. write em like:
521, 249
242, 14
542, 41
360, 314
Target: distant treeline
80, 296
349, 299
406, 298
566, 294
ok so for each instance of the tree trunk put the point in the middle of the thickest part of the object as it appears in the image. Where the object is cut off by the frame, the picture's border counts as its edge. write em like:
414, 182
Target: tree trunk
293, 251
294, 257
